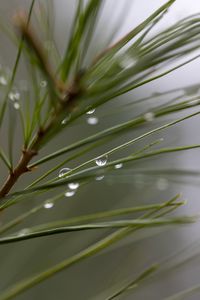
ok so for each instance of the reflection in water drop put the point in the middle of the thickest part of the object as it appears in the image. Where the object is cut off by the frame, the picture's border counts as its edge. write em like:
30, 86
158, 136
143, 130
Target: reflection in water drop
63, 172
101, 160
90, 112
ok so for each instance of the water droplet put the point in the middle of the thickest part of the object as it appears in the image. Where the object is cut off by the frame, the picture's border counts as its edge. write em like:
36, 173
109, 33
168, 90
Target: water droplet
73, 185
65, 120
70, 193
48, 204
98, 178
162, 184
92, 120
3, 80
149, 117
14, 96
43, 83
63, 172
90, 112
16, 105
23, 232
118, 166
101, 160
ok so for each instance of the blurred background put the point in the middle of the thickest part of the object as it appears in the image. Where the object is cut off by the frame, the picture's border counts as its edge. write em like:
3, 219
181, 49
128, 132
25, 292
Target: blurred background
92, 278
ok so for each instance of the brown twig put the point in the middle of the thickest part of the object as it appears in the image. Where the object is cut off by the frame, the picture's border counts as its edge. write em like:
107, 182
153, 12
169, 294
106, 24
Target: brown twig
63, 103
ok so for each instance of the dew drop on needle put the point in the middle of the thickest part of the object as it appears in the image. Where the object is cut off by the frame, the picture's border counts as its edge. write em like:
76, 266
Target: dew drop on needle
63, 172
101, 160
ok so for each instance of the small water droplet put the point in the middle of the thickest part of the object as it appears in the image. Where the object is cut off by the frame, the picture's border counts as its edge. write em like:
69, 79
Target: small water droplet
14, 96
101, 160
99, 178
70, 193
118, 166
16, 105
162, 184
23, 232
90, 112
43, 83
73, 185
63, 172
149, 116
65, 120
92, 120
3, 80
48, 204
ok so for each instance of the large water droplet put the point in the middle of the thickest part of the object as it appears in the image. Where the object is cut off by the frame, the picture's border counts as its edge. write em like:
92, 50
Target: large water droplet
63, 172
43, 83
70, 193
92, 120
118, 166
149, 116
101, 160
3, 80
48, 204
73, 185
90, 112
